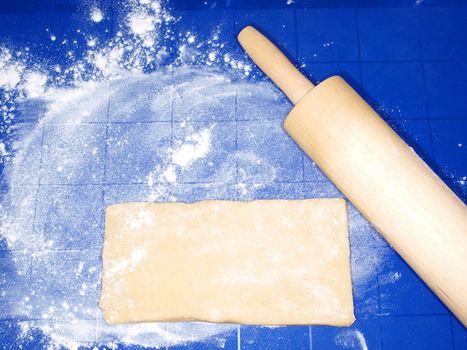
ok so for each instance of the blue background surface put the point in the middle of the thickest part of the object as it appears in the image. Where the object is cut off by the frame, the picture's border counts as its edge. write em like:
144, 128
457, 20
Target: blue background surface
408, 60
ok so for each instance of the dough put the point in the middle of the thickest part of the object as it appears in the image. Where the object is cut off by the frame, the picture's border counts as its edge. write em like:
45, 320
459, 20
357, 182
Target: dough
269, 262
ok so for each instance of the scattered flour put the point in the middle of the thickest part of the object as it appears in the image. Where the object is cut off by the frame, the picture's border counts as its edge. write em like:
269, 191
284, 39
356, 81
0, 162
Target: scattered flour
170, 174
96, 15
191, 39
67, 111
212, 56
91, 42
391, 277
3, 151
141, 23
34, 84
10, 76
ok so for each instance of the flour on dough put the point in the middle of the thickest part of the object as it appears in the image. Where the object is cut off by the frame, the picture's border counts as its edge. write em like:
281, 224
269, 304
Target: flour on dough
268, 262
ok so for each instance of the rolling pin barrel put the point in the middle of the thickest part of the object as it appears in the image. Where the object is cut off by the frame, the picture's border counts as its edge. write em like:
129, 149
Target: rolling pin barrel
380, 174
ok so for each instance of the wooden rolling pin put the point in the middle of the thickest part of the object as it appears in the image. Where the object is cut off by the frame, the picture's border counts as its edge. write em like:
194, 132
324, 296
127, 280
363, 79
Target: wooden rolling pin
380, 174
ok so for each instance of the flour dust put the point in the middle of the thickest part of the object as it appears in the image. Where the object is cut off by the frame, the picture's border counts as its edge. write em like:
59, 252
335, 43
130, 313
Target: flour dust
122, 124
351, 339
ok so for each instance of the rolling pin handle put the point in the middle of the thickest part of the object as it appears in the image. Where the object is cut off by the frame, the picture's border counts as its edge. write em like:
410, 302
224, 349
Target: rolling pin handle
274, 63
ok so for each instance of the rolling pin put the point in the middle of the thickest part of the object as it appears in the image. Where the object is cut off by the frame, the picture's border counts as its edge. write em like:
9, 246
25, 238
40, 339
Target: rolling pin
414, 210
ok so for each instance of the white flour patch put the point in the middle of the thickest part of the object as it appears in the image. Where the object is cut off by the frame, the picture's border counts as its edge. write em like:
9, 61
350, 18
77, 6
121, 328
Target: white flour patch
351, 339
195, 146
10, 70
10, 77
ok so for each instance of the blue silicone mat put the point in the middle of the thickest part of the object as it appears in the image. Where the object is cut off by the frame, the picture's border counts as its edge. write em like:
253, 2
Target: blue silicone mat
104, 101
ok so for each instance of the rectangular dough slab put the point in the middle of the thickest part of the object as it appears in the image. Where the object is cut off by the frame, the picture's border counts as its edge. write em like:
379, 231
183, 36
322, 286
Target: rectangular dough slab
269, 262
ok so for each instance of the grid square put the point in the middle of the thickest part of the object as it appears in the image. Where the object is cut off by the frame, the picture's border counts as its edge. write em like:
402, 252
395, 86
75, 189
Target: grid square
424, 332
388, 34
204, 152
363, 334
150, 99
73, 154
395, 90
446, 89
277, 24
70, 217
135, 150
74, 293
327, 35
291, 337
443, 33
267, 154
